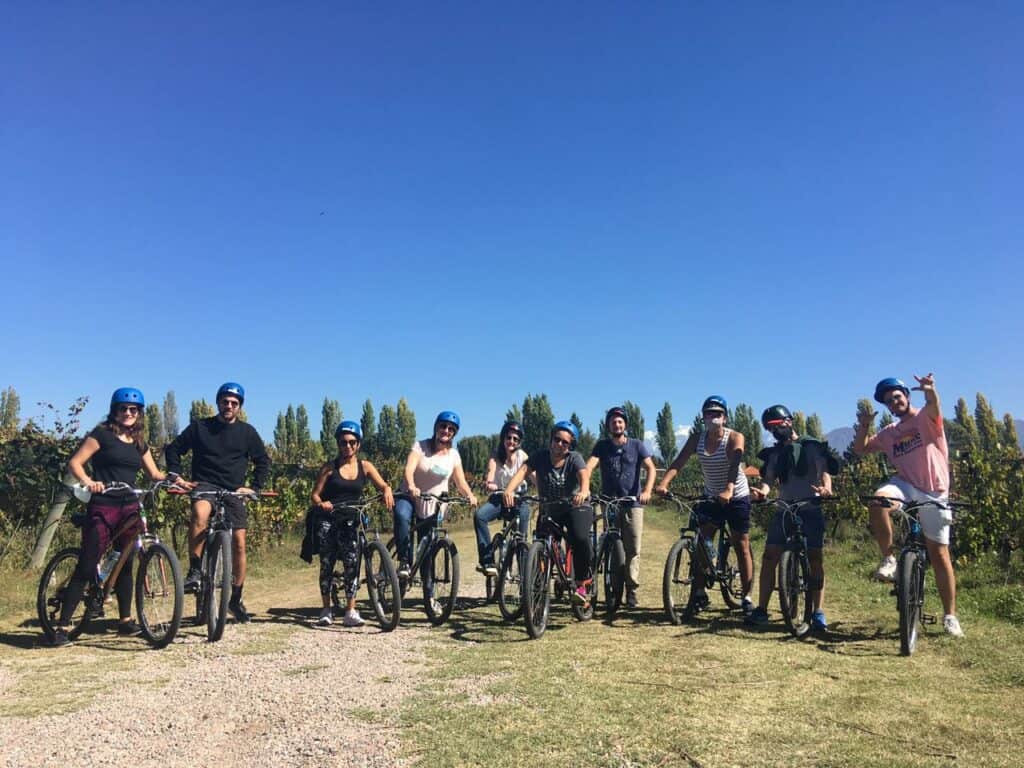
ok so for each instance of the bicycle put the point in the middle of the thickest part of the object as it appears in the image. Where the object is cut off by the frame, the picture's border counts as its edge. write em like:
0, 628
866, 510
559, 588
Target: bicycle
693, 554
159, 596
611, 552
510, 548
794, 581
911, 566
381, 578
549, 565
435, 562
214, 592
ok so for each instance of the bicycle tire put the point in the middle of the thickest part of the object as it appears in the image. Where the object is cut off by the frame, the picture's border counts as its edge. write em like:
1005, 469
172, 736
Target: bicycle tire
441, 589
159, 594
728, 572
795, 593
536, 593
677, 581
613, 569
497, 556
909, 600
509, 589
382, 586
217, 584
50, 594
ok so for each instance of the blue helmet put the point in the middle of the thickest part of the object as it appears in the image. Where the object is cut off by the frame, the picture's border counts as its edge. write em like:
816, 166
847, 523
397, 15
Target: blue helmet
352, 427
715, 402
451, 417
566, 426
885, 386
231, 388
129, 395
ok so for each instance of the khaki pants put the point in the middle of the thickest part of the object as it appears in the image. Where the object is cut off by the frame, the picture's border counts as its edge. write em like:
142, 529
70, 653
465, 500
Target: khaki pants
632, 536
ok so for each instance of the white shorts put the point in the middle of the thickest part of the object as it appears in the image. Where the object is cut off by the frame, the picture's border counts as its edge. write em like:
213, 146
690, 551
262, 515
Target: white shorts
934, 521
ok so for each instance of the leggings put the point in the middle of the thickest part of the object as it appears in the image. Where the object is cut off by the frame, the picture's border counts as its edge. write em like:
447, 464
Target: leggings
339, 541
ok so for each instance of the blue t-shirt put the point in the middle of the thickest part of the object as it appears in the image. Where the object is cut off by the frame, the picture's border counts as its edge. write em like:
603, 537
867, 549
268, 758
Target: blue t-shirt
620, 466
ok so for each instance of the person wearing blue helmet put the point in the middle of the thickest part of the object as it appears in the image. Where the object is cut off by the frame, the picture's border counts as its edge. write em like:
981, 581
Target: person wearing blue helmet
336, 533
113, 452
223, 447
915, 443
720, 451
429, 467
563, 481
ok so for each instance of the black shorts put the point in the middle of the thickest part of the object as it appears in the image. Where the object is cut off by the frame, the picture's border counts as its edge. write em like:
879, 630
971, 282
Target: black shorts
235, 511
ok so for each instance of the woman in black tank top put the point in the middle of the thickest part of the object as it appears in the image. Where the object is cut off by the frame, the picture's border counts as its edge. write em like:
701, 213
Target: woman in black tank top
342, 482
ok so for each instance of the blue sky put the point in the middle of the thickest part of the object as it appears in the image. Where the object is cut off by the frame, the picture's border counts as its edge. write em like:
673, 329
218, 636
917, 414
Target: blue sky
463, 203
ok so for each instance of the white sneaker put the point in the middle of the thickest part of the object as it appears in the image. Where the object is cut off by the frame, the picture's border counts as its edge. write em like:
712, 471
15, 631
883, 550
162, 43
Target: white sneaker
951, 624
886, 570
352, 619
747, 605
326, 617
436, 608
487, 570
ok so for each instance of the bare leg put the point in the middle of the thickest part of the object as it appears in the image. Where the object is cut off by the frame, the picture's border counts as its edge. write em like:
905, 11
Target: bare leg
197, 526
766, 583
238, 556
945, 579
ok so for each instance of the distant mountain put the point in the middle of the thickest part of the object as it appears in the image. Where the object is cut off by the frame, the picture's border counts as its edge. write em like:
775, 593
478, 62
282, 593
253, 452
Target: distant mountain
841, 438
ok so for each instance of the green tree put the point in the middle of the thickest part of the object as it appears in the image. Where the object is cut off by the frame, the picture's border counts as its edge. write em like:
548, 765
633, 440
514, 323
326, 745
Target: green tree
799, 423
666, 433
281, 446
475, 450
330, 418
155, 436
587, 438
814, 428
405, 420
170, 415
10, 413
1010, 434
388, 436
968, 428
514, 414
538, 419
744, 420
988, 427
369, 426
200, 409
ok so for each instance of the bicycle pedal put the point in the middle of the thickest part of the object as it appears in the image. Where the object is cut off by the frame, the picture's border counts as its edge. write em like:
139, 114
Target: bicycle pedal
927, 618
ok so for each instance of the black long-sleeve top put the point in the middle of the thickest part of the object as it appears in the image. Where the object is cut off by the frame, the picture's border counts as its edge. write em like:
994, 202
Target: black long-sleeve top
221, 453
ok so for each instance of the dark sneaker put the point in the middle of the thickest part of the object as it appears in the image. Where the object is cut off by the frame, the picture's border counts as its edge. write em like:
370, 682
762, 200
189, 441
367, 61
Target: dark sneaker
192, 579
818, 622
238, 611
127, 628
60, 639
700, 602
756, 617
631, 600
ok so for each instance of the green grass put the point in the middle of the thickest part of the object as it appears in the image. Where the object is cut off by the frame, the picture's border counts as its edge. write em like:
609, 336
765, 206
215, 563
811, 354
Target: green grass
644, 692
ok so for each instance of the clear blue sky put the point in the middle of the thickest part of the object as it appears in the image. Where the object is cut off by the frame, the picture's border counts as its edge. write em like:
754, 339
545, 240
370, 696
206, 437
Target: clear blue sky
465, 202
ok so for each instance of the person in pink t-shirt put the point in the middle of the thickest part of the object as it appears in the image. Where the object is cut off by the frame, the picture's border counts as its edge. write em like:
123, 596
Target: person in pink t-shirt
916, 445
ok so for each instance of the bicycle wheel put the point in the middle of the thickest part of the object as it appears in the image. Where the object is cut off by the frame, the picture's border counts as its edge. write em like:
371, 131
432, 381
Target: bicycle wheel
613, 570
677, 581
50, 595
728, 572
795, 593
497, 555
159, 594
536, 594
441, 582
382, 586
909, 600
509, 589
217, 583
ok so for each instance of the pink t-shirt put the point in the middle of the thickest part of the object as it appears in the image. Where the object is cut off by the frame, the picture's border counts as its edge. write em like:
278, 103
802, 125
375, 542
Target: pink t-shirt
917, 448
432, 472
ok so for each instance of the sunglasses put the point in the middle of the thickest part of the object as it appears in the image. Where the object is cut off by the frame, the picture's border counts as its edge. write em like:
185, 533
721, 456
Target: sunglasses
230, 404
512, 438
350, 443
560, 441
447, 428
131, 410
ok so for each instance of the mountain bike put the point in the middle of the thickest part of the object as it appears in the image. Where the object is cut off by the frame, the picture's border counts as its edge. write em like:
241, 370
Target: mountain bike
911, 566
611, 552
435, 562
696, 554
381, 578
159, 596
214, 592
795, 583
510, 553
549, 565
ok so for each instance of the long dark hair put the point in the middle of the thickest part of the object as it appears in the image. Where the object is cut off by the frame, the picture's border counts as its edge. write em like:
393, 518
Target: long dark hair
136, 432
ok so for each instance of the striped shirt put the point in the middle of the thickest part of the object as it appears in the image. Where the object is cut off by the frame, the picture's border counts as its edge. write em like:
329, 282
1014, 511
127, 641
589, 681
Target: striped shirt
715, 468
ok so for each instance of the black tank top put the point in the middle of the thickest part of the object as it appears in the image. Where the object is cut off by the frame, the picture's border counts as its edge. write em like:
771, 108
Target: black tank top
338, 490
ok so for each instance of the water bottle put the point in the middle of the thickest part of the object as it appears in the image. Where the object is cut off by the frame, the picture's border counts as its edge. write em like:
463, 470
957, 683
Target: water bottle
108, 564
